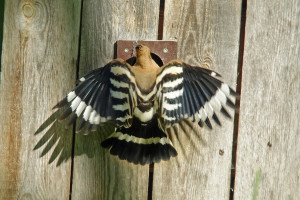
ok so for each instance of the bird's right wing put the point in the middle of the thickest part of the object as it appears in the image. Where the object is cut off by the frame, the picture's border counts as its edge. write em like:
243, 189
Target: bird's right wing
105, 94
188, 92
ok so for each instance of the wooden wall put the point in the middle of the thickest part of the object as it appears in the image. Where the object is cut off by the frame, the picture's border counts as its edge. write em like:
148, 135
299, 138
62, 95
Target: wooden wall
48, 44
268, 150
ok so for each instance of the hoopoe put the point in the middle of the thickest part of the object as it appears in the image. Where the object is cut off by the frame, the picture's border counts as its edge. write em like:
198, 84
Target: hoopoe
144, 100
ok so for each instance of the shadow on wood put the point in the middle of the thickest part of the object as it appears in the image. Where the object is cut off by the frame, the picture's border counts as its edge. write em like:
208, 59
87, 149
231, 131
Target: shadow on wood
55, 137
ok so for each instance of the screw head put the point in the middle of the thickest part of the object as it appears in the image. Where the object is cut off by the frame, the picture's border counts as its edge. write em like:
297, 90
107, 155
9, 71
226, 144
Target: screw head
126, 50
165, 50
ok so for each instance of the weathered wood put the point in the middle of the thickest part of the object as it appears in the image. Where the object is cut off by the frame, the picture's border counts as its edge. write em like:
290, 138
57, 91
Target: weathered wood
39, 61
207, 34
268, 153
97, 174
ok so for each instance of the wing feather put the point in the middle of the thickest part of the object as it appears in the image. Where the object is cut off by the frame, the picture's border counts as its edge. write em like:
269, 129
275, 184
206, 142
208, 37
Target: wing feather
197, 90
104, 94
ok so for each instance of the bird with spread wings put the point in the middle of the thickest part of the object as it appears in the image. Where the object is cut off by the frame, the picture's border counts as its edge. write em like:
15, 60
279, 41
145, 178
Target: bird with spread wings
143, 100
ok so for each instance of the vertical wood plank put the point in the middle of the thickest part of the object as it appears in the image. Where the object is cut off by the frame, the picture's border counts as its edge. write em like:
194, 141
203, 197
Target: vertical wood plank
268, 153
39, 58
97, 174
208, 35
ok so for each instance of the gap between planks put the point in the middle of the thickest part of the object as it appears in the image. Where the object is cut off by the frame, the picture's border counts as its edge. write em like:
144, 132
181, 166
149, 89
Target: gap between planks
159, 37
74, 126
238, 90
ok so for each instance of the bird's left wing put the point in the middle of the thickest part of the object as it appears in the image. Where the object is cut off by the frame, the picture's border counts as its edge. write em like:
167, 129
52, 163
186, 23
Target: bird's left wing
105, 94
188, 92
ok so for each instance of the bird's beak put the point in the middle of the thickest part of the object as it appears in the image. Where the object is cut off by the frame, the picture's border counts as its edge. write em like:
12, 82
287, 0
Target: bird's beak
138, 46
135, 47
133, 52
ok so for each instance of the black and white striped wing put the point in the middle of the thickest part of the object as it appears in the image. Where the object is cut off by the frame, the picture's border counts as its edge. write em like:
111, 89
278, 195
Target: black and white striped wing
105, 94
187, 92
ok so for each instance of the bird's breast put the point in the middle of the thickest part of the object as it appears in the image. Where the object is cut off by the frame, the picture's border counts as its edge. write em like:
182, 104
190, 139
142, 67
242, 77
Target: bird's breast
145, 80
144, 115
145, 77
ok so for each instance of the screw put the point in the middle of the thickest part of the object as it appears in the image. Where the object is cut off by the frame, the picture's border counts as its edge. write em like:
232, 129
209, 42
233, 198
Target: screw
165, 50
126, 50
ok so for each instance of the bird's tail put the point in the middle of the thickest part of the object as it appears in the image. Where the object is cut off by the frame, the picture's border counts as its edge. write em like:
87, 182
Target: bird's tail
141, 143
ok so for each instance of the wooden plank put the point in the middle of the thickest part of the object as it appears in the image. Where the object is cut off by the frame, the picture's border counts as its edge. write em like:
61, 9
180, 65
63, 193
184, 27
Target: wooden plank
207, 34
268, 151
39, 58
97, 174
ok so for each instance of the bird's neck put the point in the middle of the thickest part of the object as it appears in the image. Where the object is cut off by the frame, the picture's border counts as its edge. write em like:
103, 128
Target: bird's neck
144, 61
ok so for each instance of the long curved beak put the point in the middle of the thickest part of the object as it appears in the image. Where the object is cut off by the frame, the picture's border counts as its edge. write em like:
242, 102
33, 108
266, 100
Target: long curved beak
134, 46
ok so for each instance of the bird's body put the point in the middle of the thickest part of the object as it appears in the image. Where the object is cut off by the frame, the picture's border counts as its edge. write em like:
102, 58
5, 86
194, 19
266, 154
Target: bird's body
143, 100
145, 69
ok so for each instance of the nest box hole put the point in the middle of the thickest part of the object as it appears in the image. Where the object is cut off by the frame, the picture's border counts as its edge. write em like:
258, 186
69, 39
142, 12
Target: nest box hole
155, 57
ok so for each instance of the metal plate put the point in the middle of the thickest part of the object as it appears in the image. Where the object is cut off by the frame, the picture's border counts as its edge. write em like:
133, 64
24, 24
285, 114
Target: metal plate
164, 50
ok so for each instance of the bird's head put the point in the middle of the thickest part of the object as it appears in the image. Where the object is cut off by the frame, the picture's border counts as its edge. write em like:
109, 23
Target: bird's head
142, 50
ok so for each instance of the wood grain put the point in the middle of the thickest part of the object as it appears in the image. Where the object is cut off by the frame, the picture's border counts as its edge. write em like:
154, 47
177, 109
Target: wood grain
208, 35
268, 154
35, 72
97, 174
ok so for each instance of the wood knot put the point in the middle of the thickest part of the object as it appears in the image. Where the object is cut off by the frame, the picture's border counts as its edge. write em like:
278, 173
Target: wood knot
28, 9
269, 144
32, 16
221, 152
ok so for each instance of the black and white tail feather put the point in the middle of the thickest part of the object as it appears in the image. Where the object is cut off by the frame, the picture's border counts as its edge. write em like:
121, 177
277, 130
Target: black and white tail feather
111, 94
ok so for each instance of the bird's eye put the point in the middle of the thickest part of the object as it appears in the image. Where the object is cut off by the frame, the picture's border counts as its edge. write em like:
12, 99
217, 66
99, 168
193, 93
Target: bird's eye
139, 47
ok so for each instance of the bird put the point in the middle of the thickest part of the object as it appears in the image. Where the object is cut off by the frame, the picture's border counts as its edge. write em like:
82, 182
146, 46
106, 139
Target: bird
143, 101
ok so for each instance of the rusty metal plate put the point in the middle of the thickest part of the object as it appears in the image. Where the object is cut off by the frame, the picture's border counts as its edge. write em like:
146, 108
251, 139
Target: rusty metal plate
165, 50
